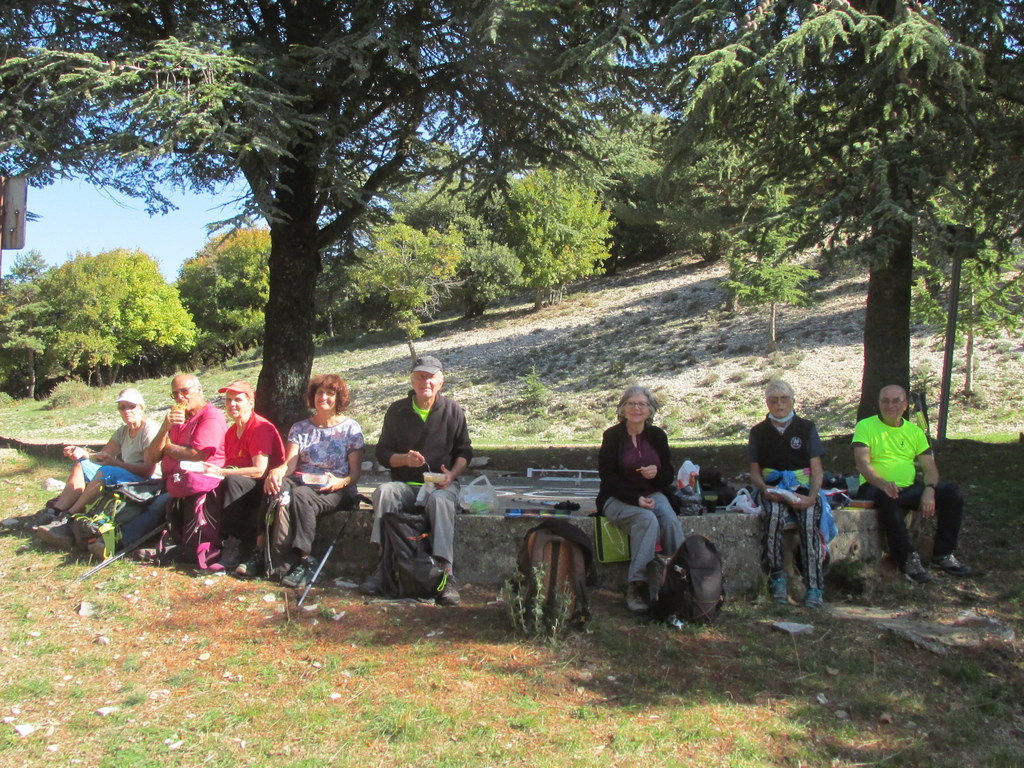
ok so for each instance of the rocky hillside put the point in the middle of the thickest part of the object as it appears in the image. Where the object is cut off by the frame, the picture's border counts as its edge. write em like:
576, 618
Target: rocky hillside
552, 377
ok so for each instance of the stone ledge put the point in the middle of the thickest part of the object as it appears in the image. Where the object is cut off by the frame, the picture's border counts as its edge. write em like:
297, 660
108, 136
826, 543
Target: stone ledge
486, 546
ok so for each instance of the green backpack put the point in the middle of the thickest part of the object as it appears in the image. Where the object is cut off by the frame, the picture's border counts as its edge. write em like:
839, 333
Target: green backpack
116, 506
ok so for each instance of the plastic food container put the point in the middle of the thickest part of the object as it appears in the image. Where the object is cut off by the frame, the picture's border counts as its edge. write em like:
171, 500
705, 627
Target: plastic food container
315, 480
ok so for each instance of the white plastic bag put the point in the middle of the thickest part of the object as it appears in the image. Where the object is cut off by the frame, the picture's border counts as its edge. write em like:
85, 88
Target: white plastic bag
687, 476
479, 497
744, 502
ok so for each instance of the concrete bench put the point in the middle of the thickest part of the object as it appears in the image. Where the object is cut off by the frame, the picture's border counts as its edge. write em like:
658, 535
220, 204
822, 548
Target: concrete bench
486, 545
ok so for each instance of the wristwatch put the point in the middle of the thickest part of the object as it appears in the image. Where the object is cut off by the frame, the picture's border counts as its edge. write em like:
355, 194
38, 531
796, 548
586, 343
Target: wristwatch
930, 485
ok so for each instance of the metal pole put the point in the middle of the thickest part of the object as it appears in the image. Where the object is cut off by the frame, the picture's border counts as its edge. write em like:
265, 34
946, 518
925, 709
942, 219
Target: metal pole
947, 356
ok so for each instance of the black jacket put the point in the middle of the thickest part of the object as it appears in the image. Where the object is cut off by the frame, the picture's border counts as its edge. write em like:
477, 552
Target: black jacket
442, 438
609, 466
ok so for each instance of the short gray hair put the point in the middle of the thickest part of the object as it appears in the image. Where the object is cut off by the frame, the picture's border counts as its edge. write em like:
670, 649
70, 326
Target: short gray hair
631, 391
779, 387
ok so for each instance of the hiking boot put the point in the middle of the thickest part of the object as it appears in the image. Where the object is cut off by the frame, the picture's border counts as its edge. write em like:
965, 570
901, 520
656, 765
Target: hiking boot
253, 566
56, 534
914, 571
813, 599
147, 556
301, 574
97, 548
449, 593
636, 597
373, 586
951, 565
778, 588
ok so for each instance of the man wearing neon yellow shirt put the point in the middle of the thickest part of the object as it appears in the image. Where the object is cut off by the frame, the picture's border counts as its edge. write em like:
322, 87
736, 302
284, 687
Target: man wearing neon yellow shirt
885, 448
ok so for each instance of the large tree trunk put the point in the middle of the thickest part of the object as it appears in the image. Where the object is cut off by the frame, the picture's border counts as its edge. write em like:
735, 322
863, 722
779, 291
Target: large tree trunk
295, 265
887, 322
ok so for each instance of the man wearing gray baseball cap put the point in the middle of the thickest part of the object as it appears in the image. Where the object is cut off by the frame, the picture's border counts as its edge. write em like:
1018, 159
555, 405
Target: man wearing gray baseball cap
423, 432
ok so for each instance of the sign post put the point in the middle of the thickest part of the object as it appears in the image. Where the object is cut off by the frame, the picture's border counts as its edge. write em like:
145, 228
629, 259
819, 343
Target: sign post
13, 198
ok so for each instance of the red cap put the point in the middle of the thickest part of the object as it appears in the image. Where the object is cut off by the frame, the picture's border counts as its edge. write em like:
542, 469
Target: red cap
239, 386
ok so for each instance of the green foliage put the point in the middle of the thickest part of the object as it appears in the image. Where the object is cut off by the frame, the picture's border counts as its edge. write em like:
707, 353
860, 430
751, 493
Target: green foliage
768, 281
558, 229
23, 323
534, 620
225, 288
488, 270
536, 393
71, 394
412, 270
111, 310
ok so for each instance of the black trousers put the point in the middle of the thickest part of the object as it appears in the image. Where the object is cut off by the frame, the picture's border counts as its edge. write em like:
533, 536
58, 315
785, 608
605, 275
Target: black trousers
949, 516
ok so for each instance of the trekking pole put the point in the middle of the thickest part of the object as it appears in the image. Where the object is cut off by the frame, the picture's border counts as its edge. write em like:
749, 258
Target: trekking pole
327, 554
114, 558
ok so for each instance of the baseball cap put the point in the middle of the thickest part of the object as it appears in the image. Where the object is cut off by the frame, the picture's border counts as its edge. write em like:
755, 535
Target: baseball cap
238, 385
131, 395
427, 364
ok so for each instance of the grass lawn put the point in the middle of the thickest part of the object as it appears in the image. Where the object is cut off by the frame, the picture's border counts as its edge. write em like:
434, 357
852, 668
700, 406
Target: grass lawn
144, 666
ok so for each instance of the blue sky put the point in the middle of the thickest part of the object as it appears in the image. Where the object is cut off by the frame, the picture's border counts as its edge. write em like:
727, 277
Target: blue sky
75, 217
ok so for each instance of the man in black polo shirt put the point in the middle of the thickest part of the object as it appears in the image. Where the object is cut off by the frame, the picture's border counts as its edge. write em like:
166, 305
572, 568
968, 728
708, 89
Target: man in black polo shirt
423, 432
785, 454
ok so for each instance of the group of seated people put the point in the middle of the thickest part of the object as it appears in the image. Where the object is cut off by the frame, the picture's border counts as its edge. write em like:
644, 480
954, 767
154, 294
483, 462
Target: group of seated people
241, 480
784, 450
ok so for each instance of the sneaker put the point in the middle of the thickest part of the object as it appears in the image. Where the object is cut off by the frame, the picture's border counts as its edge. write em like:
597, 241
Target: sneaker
301, 574
950, 564
254, 565
636, 597
778, 588
56, 534
373, 586
45, 516
449, 593
914, 571
813, 599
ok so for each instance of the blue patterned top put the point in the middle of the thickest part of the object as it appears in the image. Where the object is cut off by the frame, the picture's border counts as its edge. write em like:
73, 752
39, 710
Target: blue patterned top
326, 449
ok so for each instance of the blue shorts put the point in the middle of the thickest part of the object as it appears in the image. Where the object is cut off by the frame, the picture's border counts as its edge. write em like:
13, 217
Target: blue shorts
109, 475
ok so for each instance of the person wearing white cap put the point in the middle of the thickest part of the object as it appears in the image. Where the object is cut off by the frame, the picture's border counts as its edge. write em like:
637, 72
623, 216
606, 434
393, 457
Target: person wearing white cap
121, 460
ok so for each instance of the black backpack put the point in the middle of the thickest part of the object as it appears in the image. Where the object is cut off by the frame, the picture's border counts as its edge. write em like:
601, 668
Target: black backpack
407, 567
555, 564
692, 588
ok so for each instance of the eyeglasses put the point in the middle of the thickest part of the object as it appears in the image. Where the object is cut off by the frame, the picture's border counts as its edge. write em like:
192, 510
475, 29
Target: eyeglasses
127, 406
183, 391
895, 401
632, 404
780, 399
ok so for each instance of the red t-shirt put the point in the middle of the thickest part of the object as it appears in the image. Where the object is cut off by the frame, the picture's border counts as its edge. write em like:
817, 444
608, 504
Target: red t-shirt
259, 438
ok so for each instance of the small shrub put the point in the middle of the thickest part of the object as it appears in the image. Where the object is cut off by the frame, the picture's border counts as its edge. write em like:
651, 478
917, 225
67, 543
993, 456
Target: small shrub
533, 621
5, 400
535, 392
71, 394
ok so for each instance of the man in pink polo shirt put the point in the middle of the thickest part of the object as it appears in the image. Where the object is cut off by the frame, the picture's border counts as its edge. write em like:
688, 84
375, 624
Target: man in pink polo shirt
193, 431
